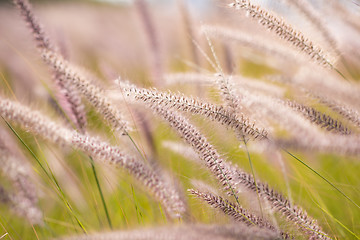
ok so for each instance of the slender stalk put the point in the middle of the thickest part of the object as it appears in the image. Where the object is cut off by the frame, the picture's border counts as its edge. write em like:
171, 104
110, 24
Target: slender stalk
135, 205
322, 177
100, 191
253, 173
50, 176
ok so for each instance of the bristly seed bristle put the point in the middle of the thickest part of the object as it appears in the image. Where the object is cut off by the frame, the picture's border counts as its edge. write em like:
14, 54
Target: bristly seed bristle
236, 212
38, 124
283, 30
91, 92
187, 104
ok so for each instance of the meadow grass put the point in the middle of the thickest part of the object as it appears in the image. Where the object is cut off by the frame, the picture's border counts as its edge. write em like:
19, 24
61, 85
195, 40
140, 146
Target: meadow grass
246, 134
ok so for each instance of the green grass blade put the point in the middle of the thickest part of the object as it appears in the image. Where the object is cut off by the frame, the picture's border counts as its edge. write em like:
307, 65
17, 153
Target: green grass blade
51, 177
253, 173
326, 180
100, 192
135, 205
336, 220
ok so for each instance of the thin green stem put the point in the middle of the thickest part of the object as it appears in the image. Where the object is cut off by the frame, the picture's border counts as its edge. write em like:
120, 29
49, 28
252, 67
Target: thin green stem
318, 174
163, 213
340, 73
51, 177
137, 148
91, 160
232, 190
337, 221
100, 191
135, 205
253, 173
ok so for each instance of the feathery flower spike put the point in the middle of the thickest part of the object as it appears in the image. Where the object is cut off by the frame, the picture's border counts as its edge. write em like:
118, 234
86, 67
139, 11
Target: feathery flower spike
283, 30
38, 124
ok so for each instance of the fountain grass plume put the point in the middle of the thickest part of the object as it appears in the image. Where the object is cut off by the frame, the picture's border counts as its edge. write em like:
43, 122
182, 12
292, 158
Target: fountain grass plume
41, 39
92, 93
236, 212
23, 199
187, 104
319, 118
309, 12
233, 178
283, 30
279, 202
67, 95
348, 113
38, 124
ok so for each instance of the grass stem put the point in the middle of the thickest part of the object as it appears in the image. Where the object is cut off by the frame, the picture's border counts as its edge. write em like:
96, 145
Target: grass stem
100, 192
322, 177
50, 176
